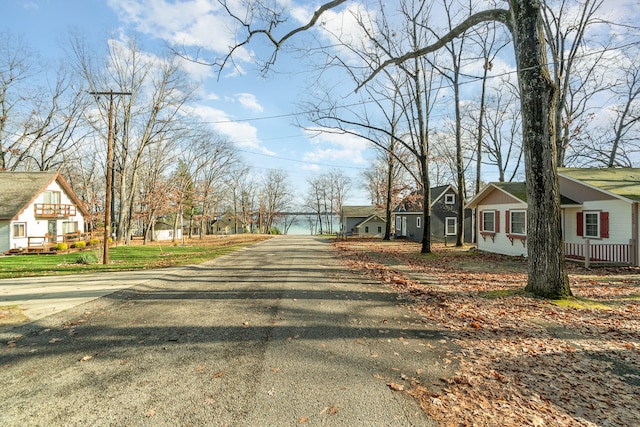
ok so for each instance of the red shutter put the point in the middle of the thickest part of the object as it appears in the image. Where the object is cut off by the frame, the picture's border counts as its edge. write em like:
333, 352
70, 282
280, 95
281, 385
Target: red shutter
497, 221
480, 221
580, 224
507, 226
604, 225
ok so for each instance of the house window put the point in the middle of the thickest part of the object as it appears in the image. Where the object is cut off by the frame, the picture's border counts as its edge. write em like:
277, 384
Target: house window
51, 197
518, 222
489, 221
20, 229
379, 229
592, 224
366, 229
450, 199
69, 227
451, 225
418, 222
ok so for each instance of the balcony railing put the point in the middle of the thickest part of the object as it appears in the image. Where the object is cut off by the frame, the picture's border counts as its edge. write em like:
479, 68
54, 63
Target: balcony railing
47, 210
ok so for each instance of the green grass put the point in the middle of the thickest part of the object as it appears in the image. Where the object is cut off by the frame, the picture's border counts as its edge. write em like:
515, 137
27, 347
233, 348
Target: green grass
121, 258
581, 303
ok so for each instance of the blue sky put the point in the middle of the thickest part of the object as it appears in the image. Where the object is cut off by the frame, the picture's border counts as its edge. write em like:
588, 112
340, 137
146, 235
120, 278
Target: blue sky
257, 112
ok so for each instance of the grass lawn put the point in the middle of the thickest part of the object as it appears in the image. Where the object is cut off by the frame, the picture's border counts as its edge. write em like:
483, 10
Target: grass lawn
132, 257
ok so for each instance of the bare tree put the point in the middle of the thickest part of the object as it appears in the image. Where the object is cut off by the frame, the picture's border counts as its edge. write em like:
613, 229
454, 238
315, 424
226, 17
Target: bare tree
547, 270
277, 196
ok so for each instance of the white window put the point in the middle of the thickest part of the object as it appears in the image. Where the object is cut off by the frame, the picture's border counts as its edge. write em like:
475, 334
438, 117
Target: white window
69, 227
451, 226
489, 221
20, 229
450, 199
592, 224
418, 222
518, 222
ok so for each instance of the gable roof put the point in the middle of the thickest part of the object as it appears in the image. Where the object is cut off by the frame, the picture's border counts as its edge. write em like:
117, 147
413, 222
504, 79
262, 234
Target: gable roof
413, 202
370, 218
621, 182
517, 190
19, 189
361, 211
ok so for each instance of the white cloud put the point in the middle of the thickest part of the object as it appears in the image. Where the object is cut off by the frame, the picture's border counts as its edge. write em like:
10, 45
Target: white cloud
242, 134
332, 147
189, 23
249, 101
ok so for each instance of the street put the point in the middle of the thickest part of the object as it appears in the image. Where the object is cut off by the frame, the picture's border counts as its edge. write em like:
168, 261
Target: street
277, 334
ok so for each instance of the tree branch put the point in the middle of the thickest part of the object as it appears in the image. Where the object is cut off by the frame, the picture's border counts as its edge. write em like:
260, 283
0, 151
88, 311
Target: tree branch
500, 15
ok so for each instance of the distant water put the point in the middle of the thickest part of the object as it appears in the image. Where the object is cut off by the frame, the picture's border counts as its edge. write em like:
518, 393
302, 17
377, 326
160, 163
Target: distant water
305, 226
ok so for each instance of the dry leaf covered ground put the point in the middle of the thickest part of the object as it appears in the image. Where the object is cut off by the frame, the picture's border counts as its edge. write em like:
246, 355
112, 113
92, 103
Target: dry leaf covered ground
523, 360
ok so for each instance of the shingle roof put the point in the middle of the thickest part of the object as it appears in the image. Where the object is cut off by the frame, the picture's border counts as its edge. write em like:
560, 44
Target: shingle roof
361, 211
623, 182
19, 189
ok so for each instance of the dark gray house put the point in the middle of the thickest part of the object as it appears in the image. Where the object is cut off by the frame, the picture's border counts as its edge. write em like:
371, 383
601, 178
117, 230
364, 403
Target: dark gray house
409, 220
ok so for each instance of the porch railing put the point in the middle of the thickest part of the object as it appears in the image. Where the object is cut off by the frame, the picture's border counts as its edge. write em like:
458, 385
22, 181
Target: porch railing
45, 243
48, 210
604, 253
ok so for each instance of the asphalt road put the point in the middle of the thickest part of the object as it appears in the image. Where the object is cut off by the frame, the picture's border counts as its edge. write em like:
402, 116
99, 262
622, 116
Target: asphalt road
277, 334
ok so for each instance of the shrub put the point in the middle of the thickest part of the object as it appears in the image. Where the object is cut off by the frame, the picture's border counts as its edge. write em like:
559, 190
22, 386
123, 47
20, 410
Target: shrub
86, 258
94, 242
60, 247
79, 244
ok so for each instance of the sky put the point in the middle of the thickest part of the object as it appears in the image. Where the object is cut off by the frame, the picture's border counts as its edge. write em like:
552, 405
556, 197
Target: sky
256, 111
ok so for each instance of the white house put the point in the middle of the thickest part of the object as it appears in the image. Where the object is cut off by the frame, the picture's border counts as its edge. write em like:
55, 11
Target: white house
599, 215
37, 208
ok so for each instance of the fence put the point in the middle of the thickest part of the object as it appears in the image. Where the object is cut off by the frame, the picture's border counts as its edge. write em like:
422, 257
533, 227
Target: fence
604, 253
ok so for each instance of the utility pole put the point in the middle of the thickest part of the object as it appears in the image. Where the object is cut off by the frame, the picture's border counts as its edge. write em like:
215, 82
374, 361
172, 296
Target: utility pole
107, 204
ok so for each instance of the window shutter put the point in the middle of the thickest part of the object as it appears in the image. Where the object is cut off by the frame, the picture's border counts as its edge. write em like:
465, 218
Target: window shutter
580, 224
604, 225
507, 226
481, 221
497, 221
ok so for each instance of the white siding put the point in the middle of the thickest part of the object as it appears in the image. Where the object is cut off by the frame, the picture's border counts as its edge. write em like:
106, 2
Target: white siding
38, 227
501, 243
619, 220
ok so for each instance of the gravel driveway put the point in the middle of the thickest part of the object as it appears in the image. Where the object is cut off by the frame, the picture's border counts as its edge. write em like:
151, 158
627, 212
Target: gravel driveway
276, 334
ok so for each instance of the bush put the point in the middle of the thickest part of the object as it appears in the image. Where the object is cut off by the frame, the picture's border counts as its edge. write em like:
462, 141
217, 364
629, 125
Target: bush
60, 247
86, 258
94, 242
80, 244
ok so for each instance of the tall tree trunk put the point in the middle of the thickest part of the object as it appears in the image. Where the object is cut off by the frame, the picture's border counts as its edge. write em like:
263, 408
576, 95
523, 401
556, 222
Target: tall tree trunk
547, 270
389, 201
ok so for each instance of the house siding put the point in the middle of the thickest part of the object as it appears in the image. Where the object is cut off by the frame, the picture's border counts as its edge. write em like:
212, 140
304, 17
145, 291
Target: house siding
620, 220
5, 229
578, 191
500, 243
373, 229
39, 227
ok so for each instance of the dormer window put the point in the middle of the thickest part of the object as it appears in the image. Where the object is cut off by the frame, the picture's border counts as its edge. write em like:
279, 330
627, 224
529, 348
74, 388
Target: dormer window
450, 199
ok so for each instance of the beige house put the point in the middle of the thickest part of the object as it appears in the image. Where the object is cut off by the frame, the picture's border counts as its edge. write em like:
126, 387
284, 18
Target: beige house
599, 215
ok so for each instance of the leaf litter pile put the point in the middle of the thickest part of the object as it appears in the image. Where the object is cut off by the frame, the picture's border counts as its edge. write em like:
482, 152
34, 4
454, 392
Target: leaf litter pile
521, 360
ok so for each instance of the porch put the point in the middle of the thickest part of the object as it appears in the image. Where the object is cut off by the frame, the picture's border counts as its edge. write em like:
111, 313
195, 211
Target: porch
37, 245
602, 253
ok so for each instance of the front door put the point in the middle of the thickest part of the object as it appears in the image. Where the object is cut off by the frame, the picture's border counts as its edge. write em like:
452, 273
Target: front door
403, 228
53, 231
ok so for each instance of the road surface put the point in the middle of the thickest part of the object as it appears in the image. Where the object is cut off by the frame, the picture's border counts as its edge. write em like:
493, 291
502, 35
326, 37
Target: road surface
277, 334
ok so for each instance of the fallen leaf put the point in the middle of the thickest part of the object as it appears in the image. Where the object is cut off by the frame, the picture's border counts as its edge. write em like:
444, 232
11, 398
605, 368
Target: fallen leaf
217, 375
150, 413
333, 410
201, 368
395, 387
86, 358
303, 420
